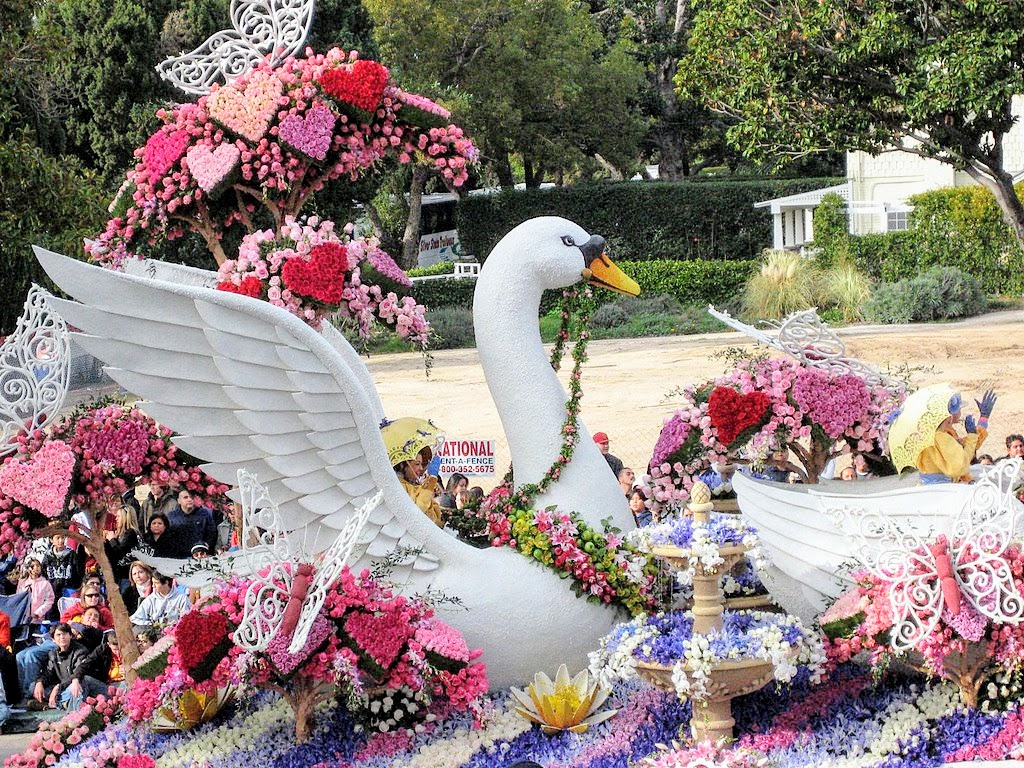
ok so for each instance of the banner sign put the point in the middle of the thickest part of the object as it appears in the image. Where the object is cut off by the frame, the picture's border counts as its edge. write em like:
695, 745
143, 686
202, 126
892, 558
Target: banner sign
470, 457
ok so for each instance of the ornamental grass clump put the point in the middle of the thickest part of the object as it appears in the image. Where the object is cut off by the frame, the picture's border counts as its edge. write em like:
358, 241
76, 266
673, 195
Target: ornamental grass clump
786, 282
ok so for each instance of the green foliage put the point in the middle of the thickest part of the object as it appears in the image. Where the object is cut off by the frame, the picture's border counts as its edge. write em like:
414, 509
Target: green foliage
846, 288
43, 201
957, 227
622, 309
561, 96
441, 268
451, 328
105, 72
806, 76
650, 220
831, 229
940, 293
698, 282
786, 282
444, 293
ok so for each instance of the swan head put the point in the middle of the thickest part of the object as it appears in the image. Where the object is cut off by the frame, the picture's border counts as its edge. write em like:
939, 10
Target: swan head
560, 253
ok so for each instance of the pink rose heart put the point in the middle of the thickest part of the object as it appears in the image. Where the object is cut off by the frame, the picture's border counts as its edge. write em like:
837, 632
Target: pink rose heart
42, 482
212, 167
246, 111
377, 636
310, 134
163, 150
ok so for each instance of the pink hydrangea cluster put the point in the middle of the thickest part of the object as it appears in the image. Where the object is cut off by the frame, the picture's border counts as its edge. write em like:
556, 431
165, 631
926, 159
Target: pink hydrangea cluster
277, 120
264, 256
868, 619
835, 403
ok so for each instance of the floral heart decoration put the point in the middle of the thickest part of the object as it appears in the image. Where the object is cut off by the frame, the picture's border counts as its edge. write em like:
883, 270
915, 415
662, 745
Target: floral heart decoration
732, 414
321, 277
162, 151
360, 84
202, 641
378, 636
246, 113
42, 482
212, 168
309, 135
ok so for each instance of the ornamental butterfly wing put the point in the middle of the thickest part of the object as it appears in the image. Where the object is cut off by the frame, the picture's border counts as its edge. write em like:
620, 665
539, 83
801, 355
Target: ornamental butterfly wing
265, 550
983, 531
903, 559
35, 365
329, 566
274, 29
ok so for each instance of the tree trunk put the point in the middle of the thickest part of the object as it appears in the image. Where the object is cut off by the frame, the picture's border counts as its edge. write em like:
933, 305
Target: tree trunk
411, 238
503, 168
1000, 184
94, 545
674, 162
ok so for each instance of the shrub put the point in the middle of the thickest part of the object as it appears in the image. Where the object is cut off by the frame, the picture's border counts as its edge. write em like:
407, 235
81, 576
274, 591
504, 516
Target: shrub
444, 293
441, 268
451, 328
846, 289
786, 282
621, 310
937, 294
641, 221
831, 229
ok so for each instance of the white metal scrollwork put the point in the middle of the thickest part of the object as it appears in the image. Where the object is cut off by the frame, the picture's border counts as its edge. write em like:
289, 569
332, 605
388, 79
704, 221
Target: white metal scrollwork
803, 336
34, 369
274, 559
259, 28
907, 560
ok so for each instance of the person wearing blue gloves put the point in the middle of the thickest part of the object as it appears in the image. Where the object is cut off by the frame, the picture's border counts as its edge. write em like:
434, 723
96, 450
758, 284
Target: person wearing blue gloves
949, 459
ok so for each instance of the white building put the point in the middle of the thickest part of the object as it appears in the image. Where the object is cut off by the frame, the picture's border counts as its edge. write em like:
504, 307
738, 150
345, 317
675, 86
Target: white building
877, 189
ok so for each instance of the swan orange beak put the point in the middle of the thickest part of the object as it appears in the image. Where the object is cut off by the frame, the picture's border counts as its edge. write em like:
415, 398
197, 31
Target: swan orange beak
601, 270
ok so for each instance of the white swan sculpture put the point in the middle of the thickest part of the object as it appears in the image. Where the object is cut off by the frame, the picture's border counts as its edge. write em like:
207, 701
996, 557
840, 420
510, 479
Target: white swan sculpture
250, 386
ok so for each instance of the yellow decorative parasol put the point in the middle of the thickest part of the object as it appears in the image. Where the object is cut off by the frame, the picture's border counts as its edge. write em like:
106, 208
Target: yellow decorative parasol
404, 438
914, 429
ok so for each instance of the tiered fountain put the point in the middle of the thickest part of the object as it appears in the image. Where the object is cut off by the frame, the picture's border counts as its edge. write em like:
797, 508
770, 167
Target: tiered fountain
712, 713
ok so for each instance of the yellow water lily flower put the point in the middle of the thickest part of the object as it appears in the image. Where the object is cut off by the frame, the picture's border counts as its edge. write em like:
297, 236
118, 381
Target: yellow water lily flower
563, 704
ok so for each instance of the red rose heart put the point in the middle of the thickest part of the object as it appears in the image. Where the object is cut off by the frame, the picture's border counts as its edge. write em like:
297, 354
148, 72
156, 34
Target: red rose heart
378, 636
321, 277
732, 413
361, 84
201, 642
162, 151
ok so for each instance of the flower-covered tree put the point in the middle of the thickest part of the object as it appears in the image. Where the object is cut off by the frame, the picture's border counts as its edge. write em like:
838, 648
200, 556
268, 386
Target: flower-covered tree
64, 479
760, 407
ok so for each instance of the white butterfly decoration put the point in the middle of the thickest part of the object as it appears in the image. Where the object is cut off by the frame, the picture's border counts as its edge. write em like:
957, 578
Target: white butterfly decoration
926, 575
35, 365
285, 582
274, 28
806, 338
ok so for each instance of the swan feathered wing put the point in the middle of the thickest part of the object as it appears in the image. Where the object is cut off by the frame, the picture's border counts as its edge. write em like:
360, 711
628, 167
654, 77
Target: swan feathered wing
248, 385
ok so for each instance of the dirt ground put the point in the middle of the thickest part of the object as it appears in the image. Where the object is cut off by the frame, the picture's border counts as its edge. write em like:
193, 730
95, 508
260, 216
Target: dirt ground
626, 382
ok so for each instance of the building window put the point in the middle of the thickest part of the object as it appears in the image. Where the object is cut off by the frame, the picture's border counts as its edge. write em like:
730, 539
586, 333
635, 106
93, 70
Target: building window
896, 221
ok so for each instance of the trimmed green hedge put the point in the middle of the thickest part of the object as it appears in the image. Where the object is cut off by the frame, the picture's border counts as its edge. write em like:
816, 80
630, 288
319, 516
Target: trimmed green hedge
642, 220
691, 282
955, 227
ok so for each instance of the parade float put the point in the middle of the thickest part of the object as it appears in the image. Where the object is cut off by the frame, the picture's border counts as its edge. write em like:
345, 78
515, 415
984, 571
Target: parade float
350, 630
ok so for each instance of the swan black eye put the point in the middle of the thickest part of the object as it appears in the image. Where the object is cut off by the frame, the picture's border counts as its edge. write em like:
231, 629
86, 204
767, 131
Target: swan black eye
567, 240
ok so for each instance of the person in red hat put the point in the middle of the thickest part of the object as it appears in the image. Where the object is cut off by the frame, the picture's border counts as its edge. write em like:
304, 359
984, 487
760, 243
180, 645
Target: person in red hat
613, 461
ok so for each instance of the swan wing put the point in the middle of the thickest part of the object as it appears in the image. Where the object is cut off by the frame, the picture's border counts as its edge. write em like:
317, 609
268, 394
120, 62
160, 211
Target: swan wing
249, 386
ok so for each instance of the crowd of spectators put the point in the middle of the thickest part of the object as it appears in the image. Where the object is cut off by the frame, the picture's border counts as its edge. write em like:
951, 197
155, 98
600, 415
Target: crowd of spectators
65, 648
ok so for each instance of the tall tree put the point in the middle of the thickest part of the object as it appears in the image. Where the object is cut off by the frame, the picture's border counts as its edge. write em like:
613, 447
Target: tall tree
935, 78
538, 81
